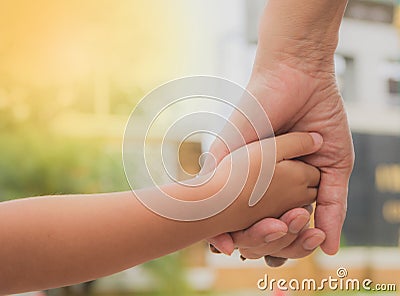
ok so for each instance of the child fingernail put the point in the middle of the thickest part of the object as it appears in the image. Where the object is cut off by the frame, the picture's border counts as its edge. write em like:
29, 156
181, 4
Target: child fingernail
274, 236
317, 138
313, 242
298, 224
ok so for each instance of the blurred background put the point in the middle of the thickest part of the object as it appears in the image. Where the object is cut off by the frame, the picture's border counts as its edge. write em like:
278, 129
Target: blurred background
72, 71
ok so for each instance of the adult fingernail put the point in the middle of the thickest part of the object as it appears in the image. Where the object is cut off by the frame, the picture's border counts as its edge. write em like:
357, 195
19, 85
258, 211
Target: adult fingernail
309, 209
272, 261
298, 223
219, 250
317, 138
313, 242
274, 236
214, 249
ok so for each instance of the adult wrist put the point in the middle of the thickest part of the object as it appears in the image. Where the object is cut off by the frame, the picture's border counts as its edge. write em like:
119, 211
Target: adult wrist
300, 34
317, 20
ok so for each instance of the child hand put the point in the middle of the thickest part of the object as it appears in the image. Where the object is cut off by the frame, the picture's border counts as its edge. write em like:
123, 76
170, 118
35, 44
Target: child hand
294, 183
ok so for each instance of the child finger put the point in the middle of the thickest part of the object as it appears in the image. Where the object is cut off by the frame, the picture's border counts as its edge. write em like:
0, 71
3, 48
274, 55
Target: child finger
312, 174
312, 194
297, 144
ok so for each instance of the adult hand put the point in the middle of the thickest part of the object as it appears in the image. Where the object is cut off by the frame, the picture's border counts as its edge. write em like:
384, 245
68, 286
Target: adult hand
275, 240
298, 242
293, 79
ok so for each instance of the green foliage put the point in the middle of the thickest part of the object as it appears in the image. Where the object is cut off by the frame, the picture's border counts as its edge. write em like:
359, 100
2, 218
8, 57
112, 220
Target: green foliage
168, 273
33, 163
36, 161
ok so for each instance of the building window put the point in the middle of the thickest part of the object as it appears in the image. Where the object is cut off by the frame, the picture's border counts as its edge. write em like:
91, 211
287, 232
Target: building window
394, 86
345, 73
391, 72
368, 10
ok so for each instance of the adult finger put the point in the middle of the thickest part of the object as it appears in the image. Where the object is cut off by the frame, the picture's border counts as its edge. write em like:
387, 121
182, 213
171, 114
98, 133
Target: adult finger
330, 210
303, 245
306, 242
269, 229
223, 243
250, 242
277, 245
262, 232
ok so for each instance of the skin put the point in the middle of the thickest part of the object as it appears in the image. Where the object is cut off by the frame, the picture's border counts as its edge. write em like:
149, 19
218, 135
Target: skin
55, 241
293, 78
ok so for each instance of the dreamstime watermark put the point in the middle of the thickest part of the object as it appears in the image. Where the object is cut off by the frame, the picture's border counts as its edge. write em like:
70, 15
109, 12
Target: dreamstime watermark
340, 282
179, 111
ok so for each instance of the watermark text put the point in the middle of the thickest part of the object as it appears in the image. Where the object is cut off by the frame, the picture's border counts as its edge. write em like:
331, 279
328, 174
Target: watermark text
340, 282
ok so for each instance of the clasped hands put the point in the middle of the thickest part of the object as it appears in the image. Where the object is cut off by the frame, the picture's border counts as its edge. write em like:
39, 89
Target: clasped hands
299, 95
294, 184
298, 102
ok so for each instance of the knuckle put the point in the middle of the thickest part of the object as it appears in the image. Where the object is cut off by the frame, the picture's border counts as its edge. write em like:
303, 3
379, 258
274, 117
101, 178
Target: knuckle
293, 172
296, 171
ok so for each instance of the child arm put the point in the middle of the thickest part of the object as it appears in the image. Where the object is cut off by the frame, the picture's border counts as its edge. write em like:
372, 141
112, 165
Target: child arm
61, 240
